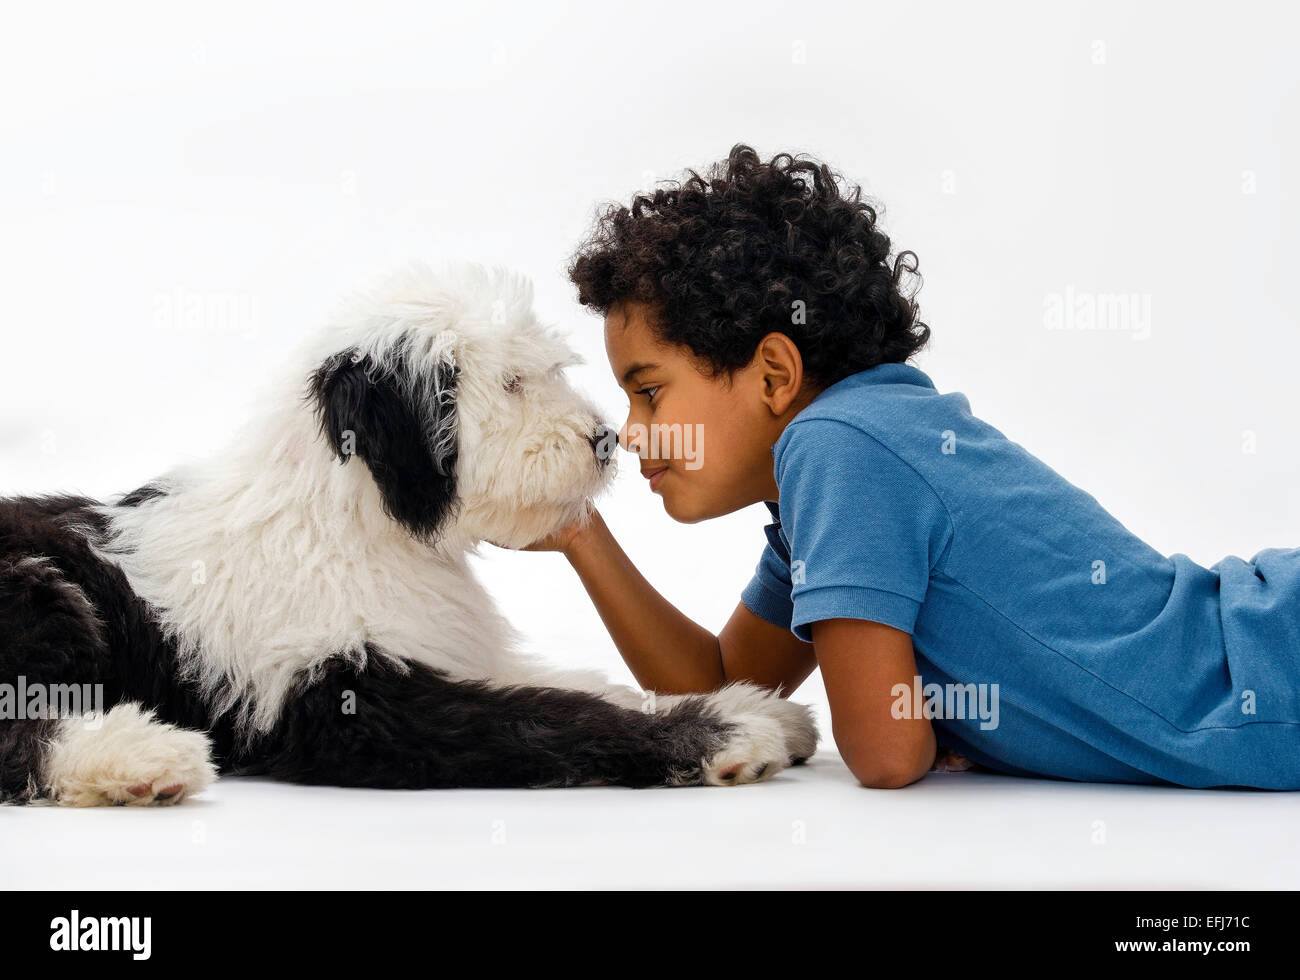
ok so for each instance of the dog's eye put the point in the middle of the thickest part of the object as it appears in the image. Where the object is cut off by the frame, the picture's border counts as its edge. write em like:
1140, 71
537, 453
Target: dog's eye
513, 383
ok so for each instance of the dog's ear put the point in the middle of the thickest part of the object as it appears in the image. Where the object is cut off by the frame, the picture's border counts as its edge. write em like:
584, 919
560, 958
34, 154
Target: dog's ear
402, 423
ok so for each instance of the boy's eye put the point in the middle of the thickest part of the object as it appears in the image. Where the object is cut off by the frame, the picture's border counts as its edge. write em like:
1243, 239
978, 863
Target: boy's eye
648, 392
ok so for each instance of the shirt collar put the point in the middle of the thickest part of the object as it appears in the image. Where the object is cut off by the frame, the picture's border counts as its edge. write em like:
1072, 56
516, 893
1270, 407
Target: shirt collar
892, 372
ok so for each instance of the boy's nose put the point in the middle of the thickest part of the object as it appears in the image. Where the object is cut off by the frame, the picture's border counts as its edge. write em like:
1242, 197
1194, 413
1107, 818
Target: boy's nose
633, 436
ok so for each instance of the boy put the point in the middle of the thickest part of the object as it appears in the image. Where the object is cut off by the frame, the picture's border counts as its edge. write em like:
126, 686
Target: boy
942, 577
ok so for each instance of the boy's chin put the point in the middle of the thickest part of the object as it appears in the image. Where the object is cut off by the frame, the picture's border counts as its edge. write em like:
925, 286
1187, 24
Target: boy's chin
685, 510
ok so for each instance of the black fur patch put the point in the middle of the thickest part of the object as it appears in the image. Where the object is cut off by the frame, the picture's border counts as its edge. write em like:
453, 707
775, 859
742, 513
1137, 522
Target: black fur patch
384, 416
379, 726
138, 496
23, 747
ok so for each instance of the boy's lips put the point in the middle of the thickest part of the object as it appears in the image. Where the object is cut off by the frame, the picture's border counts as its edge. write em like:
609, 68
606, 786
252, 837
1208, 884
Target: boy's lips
654, 475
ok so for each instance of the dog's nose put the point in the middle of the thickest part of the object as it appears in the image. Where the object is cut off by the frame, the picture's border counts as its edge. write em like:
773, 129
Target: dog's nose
603, 442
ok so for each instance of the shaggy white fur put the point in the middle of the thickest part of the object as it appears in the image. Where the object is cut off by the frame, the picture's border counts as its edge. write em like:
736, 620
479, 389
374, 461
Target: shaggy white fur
270, 557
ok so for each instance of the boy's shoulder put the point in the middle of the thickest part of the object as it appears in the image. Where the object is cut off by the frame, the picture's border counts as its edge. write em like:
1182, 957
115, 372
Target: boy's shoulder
896, 404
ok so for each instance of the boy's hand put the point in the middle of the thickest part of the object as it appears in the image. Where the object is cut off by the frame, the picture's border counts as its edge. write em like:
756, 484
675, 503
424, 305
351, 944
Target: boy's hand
561, 540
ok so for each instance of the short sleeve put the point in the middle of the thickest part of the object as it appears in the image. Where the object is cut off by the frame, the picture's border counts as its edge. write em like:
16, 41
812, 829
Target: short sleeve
865, 529
767, 595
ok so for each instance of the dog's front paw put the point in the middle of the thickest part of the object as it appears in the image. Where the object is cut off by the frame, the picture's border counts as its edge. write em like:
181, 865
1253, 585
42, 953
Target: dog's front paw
755, 750
131, 759
770, 733
796, 721
800, 726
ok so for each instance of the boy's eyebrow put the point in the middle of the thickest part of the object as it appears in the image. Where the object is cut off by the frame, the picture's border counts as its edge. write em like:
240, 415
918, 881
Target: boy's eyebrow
627, 375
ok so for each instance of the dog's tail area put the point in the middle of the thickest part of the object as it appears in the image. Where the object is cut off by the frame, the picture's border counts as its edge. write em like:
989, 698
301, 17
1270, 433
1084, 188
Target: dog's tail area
404, 725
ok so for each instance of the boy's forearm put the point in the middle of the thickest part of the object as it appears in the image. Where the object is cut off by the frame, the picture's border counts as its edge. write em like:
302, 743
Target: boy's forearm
666, 651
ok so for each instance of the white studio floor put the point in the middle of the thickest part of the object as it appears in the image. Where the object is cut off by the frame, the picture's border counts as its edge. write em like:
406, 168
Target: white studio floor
810, 827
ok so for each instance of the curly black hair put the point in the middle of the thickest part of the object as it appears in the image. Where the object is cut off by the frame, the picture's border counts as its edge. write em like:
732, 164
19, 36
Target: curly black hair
752, 248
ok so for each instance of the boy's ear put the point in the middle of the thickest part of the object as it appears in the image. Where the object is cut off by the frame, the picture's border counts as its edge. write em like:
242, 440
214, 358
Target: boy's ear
780, 369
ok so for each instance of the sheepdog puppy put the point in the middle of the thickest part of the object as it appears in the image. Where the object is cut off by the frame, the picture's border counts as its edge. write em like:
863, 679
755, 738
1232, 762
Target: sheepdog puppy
301, 605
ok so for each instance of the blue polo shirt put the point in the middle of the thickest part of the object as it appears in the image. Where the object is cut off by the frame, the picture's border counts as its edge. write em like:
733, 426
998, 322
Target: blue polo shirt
1050, 640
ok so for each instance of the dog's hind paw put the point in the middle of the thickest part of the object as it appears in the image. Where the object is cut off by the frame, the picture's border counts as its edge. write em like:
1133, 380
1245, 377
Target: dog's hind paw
946, 760
129, 759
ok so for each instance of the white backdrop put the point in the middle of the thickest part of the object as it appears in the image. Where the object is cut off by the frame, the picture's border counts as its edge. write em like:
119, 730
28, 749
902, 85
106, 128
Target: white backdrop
251, 163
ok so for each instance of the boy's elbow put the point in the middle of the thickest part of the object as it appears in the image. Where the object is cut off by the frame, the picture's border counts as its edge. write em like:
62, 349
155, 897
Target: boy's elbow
877, 774
888, 779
